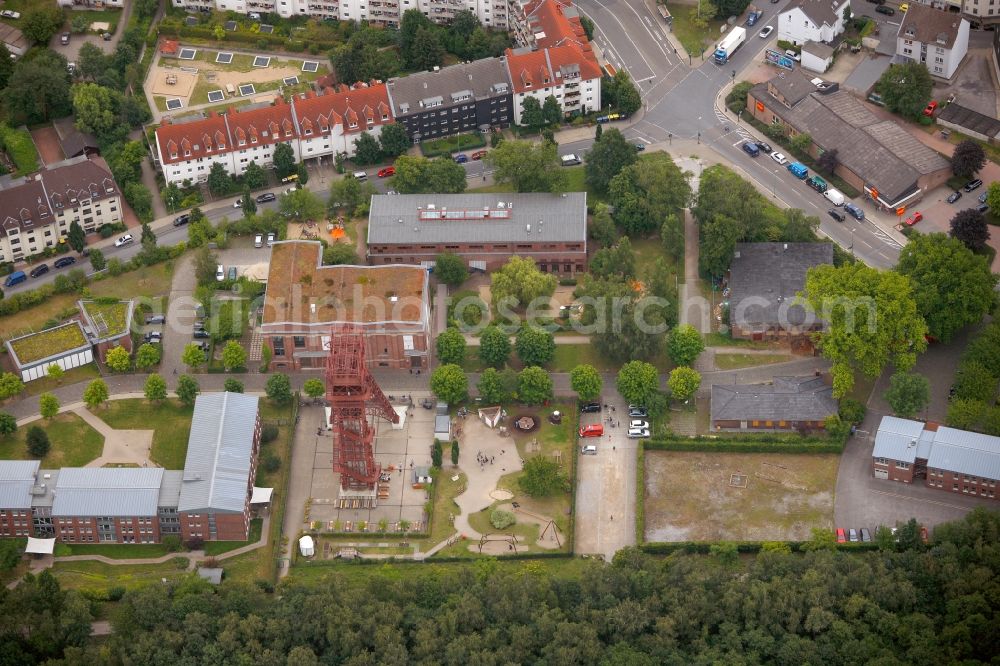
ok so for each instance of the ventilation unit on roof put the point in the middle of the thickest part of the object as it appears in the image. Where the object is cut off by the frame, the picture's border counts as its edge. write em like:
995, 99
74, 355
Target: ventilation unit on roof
528, 227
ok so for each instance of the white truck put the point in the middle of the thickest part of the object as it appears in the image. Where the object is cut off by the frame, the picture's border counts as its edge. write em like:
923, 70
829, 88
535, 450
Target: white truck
727, 47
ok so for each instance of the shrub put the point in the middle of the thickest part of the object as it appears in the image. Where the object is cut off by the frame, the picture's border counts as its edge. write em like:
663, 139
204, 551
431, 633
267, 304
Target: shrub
172, 543
268, 434
502, 519
272, 463
194, 543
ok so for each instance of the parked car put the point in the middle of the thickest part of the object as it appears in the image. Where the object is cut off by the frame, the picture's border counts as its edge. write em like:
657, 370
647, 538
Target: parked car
865, 534
7, 13
106, 36
852, 535
200, 333
954, 196
570, 160
638, 423
238, 203
17, 277
794, 55
40, 270
64, 38
639, 146
982, 197
270, 238
973, 185
636, 412
182, 220
904, 7
232, 272
779, 158
124, 240
913, 219
479, 154
836, 214
264, 198
590, 407
385, 172
638, 433
888, 11
765, 146
63, 262
841, 536
156, 319
854, 212
220, 273
154, 337
982, 208
931, 108
750, 149
258, 240
766, 32
588, 450
753, 17
592, 430
289, 190
360, 175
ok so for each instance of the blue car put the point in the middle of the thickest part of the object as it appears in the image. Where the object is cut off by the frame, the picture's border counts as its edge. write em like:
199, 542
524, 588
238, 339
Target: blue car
855, 212
461, 159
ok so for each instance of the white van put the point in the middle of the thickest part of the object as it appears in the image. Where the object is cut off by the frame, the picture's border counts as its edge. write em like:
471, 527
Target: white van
570, 160
589, 450
220, 273
360, 175
258, 240
835, 197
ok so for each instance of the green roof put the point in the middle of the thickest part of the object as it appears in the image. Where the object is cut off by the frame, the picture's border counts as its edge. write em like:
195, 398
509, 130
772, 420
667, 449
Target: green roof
51, 342
114, 315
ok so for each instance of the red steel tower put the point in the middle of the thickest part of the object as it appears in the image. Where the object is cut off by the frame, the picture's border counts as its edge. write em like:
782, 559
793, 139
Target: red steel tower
354, 399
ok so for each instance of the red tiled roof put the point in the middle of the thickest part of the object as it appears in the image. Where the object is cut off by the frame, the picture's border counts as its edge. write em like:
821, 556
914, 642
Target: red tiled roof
186, 141
263, 126
361, 105
169, 46
547, 17
572, 54
529, 71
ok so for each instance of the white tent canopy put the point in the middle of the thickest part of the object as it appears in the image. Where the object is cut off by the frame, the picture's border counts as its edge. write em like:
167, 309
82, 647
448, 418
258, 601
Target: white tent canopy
261, 495
40, 546
306, 546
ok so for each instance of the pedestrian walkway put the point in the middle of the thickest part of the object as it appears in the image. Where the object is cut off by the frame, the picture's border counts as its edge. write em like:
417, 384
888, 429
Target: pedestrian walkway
120, 446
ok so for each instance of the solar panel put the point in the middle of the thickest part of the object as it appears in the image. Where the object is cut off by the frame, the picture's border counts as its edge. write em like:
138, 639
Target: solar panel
216, 95
261, 61
187, 54
174, 104
310, 66
290, 80
247, 89
224, 58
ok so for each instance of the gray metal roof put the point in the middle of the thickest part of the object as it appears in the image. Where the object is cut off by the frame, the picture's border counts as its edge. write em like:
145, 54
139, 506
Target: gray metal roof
896, 439
16, 479
170, 489
481, 79
478, 218
966, 453
442, 424
219, 454
765, 278
787, 399
107, 491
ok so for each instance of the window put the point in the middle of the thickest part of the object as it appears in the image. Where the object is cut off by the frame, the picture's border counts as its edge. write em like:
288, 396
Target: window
881, 461
279, 346
299, 341
902, 465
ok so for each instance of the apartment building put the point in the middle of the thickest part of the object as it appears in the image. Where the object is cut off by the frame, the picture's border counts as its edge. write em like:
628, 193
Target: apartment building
565, 72
812, 21
37, 210
313, 124
467, 97
936, 38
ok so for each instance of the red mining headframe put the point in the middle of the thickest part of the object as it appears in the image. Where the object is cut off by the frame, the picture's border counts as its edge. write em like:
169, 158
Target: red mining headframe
354, 396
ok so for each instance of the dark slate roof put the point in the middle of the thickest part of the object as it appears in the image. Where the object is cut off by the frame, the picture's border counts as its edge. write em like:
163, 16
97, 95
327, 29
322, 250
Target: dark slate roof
73, 141
794, 86
936, 27
969, 119
787, 399
480, 79
818, 49
765, 277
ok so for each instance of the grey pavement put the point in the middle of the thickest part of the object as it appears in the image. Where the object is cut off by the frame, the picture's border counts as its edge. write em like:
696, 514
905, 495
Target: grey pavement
299, 482
71, 51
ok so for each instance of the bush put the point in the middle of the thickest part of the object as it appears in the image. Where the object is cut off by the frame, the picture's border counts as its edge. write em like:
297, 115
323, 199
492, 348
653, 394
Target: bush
116, 593
750, 444
172, 543
852, 411
271, 464
268, 434
502, 519
194, 543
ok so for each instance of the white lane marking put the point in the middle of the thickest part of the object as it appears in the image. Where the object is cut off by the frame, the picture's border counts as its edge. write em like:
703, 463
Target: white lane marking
627, 36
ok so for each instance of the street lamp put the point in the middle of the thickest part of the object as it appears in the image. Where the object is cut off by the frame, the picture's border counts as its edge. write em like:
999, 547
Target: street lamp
670, 137
738, 117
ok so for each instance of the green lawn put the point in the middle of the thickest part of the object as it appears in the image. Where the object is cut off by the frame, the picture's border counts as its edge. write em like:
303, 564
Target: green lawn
569, 356
74, 443
116, 551
98, 577
170, 421
724, 340
693, 38
220, 547
737, 361
84, 373
452, 144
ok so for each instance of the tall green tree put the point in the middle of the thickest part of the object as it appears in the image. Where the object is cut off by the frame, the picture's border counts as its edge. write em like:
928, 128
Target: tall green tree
532, 115
234, 356
521, 280
534, 386
490, 387
38, 90
314, 388
535, 346
96, 108
586, 381
394, 140
76, 238
284, 160
526, 166
155, 388
220, 183
8, 424
648, 193
905, 88
494, 347
187, 390
969, 226
48, 405
278, 389
684, 344
301, 205
608, 156
38, 442
451, 346
427, 51
908, 393
366, 149
118, 359
412, 21
417, 175
450, 384
683, 383
254, 177
192, 356
952, 286
552, 111
41, 22
542, 477
617, 261
450, 269
871, 320
638, 382
968, 159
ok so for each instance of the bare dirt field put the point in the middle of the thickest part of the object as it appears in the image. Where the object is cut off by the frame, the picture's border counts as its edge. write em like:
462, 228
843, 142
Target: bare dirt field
689, 496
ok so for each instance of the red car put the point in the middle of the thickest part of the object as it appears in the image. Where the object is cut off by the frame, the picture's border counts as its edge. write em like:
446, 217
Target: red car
841, 536
913, 219
931, 108
479, 154
592, 430
387, 171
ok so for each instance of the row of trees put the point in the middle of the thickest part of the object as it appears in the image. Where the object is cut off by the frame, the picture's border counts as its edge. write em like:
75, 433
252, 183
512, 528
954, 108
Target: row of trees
530, 386
974, 404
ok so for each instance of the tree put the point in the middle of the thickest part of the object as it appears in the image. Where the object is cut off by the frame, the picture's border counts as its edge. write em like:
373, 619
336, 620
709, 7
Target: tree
532, 115
284, 160
220, 183
952, 286
8, 424
192, 356
451, 346
449, 383
650, 192
622, 93
490, 387
526, 166
437, 454
535, 346
872, 320
56, 372
41, 22
187, 390
10, 385
624, 326
551, 110
450, 269
48, 405
494, 347
206, 264
234, 356
993, 198
974, 381
534, 386
968, 159
608, 156
427, 51
416, 175
118, 359
233, 385
39, 89
248, 206
542, 477
155, 388
38, 442
314, 388
350, 193
76, 238
254, 177
96, 108
454, 452
410, 23
905, 88
617, 261
684, 344
6, 65
366, 149
683, 383
394, 140
638, 382
301, 205
340, 254
97, 261
969, 226
279, 388
801, 143
828, 160
519, 281
96, 394
602, 226
908, 393
586, 381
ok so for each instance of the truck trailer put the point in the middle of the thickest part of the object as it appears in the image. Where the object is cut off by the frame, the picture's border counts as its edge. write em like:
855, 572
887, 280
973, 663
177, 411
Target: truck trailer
727, 47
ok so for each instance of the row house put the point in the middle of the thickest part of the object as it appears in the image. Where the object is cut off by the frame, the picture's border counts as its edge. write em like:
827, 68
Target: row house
312, 124
565, 72
36, 211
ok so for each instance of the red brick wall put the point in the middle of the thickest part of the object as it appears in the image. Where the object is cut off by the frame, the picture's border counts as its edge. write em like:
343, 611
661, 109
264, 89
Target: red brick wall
962, 484
895, 472
550, 257
14, 524
383, 350
136, 529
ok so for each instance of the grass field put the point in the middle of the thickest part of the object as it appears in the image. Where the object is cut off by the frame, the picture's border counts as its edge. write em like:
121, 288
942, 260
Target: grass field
170, 421
74, 443
688, 496
98, 577
693, 38
724, 340
220, 547
84, 373
116, 551
737, 361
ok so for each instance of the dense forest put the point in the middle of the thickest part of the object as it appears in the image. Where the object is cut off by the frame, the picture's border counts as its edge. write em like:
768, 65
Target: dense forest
931, 604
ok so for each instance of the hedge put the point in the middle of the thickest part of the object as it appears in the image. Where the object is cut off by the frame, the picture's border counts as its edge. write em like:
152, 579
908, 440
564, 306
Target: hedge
749, 443
704, 547
445, 147
252, 40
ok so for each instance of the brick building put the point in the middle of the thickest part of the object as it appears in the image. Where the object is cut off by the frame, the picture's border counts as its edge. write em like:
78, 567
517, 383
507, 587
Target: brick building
956, 461
788, 403
305, 299
876, 157
484, 229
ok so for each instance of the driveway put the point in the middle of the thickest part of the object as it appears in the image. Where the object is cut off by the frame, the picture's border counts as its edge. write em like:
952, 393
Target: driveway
71, 51
606, 486
300, 478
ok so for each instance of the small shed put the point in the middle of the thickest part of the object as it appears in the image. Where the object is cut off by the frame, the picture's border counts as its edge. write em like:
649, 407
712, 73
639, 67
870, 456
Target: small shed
817, 56
306, 546
422, 475
442, 427
491, 416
